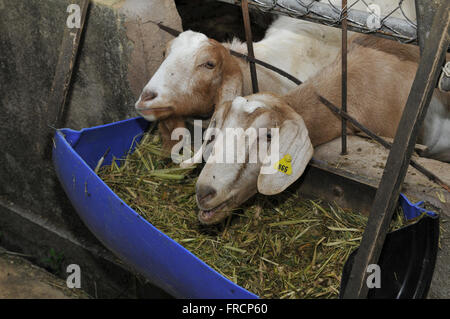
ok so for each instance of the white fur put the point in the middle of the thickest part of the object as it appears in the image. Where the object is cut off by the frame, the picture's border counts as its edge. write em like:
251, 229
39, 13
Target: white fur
299, 47
242, 104
436, 129
176, 68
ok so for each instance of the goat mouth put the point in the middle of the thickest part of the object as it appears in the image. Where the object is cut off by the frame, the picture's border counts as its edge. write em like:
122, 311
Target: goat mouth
215, 215
148, 110
155, 113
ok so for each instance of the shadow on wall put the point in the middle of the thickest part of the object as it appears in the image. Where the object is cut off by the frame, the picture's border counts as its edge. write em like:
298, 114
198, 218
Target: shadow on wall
220, 21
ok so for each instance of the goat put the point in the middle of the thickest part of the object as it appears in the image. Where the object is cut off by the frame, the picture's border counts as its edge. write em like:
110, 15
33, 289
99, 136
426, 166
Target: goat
380, 74
199, 72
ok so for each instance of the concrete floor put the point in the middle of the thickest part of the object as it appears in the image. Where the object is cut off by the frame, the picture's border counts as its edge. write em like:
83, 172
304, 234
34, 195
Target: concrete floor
20, 279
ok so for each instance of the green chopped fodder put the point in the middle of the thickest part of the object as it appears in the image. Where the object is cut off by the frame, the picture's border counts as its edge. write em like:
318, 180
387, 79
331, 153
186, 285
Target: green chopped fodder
276, 247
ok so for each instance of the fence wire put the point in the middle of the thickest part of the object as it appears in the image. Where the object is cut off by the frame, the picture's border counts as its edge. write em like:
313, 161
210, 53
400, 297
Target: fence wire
388, 18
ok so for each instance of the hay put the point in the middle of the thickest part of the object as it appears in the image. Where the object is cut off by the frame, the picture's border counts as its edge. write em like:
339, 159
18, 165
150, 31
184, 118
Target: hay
276, 247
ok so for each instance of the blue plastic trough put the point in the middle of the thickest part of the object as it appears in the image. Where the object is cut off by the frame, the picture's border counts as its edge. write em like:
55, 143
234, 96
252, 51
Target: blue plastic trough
137, 242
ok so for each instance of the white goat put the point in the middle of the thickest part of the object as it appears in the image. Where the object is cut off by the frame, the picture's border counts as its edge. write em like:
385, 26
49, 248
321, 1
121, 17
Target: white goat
380, 74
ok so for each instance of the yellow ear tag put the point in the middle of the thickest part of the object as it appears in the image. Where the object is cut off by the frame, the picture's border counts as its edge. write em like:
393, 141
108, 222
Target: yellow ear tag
284, 165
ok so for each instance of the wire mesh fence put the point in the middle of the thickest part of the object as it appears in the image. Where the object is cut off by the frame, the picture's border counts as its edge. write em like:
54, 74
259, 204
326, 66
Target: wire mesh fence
389, 18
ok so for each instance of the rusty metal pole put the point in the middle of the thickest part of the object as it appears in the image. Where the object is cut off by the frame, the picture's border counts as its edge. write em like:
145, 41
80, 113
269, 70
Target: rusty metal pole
387, 195
249, 39
344, 78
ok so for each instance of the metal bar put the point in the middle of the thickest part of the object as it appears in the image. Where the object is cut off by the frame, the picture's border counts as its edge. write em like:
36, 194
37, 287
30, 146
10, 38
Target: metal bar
393, 28
267, 66
344, 78
66, 62
397, 163
249, 39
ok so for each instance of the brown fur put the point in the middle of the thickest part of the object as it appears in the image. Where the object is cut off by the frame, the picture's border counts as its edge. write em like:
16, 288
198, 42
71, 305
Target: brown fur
371, 61
165, 128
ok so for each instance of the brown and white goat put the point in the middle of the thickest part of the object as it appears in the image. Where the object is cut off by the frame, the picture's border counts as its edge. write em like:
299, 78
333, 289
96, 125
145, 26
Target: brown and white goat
380, 74
199, 73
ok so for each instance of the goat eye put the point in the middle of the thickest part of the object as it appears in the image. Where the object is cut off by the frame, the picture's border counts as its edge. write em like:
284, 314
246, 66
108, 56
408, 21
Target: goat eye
209, 65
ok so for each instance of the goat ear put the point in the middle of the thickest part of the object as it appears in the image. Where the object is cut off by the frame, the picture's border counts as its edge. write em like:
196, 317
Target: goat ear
166, 127
295, 151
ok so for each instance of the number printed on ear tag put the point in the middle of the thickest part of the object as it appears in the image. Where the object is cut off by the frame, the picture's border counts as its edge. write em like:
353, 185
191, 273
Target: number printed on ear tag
284, 165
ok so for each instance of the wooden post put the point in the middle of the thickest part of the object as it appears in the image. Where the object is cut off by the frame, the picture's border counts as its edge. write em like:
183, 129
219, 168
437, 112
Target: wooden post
66, 61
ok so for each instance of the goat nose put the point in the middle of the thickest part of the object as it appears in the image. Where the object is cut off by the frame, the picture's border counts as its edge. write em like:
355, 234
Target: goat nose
204, 193
148, 96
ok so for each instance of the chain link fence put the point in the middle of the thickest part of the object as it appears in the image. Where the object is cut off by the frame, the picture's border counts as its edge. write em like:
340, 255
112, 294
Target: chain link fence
394, 19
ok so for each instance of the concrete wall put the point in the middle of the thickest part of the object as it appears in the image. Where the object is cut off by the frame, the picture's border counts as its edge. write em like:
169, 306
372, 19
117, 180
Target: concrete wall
118, 54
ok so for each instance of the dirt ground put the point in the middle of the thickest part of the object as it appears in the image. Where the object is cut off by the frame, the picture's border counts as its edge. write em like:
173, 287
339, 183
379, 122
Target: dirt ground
20, 279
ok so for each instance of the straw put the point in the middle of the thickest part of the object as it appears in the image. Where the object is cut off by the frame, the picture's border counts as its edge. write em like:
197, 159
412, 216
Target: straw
278, 247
